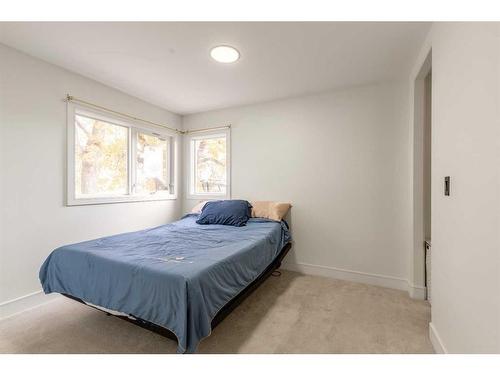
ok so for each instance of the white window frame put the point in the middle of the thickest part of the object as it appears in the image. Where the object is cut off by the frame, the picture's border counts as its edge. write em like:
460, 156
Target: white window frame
133, 128
190, 157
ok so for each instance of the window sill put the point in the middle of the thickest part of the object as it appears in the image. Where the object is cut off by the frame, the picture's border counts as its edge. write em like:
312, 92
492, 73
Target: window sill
95, 201
207, 197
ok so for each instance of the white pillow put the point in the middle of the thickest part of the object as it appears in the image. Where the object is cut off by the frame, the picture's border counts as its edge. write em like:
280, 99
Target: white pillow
197, 209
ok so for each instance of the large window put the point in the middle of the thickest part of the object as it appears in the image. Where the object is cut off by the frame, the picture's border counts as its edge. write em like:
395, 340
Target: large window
111, 160
209, 165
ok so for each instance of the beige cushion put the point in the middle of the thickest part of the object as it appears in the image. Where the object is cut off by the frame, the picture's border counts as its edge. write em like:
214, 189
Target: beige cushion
197, 209
270, 210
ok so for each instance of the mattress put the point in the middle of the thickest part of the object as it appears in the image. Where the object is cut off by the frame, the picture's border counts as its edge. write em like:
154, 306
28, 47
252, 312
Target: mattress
177, 276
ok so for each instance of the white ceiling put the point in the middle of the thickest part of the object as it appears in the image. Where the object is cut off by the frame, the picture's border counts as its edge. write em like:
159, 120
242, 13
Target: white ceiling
168, 63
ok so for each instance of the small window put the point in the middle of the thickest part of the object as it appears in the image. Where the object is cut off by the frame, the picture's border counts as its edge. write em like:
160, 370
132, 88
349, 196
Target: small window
209, 165
111, 160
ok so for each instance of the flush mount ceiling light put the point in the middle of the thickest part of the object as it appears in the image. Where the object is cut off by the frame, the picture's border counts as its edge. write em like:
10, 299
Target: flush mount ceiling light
224, 54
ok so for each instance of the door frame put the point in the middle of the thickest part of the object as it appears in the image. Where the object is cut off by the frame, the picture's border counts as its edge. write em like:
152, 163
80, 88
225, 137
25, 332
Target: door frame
417, 288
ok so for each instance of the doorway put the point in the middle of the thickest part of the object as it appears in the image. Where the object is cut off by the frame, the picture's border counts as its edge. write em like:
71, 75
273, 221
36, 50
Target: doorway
422, 165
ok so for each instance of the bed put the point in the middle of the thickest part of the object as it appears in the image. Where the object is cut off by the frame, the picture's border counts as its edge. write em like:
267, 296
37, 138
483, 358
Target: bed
179, 279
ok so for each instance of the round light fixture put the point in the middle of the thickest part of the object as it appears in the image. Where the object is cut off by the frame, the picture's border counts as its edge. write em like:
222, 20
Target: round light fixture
224, 54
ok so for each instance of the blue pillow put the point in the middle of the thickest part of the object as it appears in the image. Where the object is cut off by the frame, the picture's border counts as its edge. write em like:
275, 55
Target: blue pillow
229, 212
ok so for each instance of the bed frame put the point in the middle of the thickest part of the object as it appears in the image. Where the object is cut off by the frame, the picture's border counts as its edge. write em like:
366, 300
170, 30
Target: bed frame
225, 311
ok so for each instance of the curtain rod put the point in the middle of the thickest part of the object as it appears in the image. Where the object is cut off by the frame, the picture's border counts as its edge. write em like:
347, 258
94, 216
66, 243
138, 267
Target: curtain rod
70, 98
206, 129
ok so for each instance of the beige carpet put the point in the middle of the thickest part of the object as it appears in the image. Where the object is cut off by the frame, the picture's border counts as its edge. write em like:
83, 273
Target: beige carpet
288, 314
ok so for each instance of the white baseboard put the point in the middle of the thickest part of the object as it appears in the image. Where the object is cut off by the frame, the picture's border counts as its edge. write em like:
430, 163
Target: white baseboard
27, 302
392, 282
436, 341
343, 274
417, 292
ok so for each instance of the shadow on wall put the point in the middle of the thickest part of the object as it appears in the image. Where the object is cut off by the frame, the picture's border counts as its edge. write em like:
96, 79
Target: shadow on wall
291, 257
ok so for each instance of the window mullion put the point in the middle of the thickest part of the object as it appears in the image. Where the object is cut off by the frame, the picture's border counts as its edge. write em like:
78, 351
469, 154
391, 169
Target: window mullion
171, 167
132, 160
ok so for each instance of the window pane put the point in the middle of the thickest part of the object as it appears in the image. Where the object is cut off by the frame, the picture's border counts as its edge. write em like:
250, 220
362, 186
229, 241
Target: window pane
210, 166
152, 164
100, 158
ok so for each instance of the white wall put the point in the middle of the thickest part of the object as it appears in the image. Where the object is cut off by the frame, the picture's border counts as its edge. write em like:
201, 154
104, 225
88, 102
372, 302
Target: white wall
33, 217
466, 224
341, 158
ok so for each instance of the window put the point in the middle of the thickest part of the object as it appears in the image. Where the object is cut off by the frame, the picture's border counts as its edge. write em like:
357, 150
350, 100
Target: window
209, 165
112, 160
152, 164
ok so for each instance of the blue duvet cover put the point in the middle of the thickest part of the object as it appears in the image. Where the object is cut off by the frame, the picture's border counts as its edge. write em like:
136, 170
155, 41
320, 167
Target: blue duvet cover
177, 275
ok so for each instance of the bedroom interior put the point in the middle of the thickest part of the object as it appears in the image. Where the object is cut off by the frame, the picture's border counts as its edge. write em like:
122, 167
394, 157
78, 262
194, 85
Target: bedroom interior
256, 187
